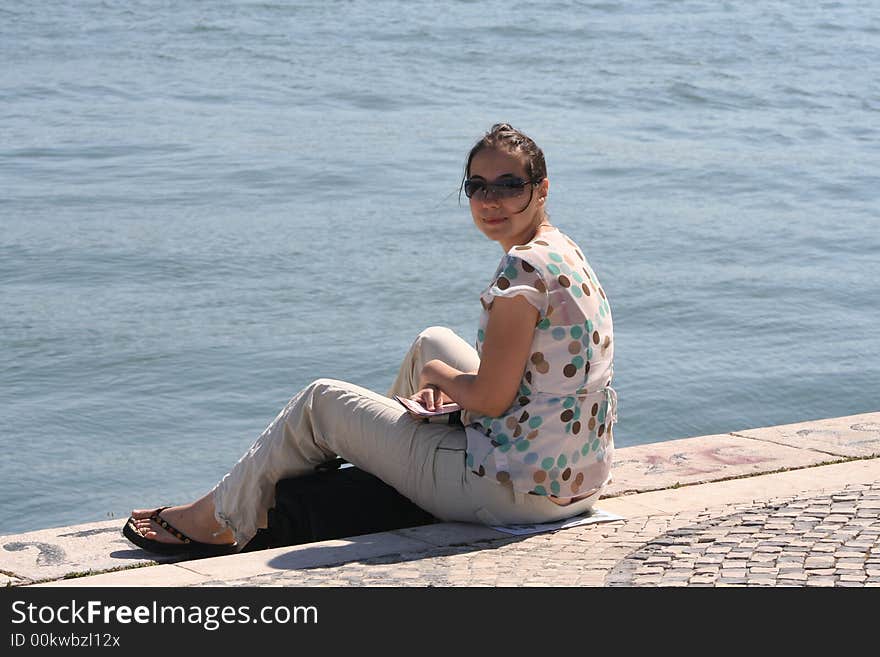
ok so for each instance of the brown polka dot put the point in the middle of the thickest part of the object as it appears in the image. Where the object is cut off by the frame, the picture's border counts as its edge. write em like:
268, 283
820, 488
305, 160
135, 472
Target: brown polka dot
543, 367
595, 337
539, 286
587, 368
606, 342
524, 247
524, 416
531, 435
576, 428
482, 471
575, 489
536, 357
567, 414
580, 255
529, 377
503, 477
539, 476
517, 432
542, 243
594, 410
511, 423
579, 479
566, 474
592, 423
601, 430
574, 347
563, 280
602, 292
585, 288
527, 267
523, 400
570, 370
502, 283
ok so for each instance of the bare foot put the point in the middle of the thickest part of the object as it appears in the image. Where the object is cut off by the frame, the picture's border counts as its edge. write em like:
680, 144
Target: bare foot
196, 520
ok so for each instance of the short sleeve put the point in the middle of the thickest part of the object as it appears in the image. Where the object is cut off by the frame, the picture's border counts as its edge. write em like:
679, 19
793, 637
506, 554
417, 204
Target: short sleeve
517, 277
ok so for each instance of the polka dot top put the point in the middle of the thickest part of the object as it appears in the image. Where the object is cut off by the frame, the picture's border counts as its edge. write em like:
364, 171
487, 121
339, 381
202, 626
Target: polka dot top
556, 438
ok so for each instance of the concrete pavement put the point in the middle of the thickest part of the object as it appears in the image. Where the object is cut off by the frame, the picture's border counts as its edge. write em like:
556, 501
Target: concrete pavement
791, 505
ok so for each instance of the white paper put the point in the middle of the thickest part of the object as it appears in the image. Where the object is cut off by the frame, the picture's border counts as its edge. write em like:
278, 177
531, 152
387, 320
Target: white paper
415, 407
594, 515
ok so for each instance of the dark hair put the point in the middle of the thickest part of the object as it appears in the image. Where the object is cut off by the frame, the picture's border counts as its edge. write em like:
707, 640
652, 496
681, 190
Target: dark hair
504, 137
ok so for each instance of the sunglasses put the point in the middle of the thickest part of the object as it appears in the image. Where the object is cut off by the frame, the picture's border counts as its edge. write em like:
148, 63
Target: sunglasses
507, 188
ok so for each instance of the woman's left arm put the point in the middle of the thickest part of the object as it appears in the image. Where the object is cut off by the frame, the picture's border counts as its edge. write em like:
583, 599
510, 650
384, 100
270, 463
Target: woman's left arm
508, 340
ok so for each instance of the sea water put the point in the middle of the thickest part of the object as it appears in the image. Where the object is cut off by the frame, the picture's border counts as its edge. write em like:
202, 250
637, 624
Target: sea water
205, 206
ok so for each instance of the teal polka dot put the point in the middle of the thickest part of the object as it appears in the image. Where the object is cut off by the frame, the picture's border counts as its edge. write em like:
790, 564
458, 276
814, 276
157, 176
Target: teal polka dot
577, 277
481, 335
502, 439
553, 269
575, 457
585, 449
578, 362
577, 414
600, 418
547, 463
511, 271
602, 310
595, 445
504, 448
576, 291
576, 332
495, 427
586, 339
589, 325
555, 257
470, 460
524, 389
589, 353
558, 333
568, 403
521, 445
568, 428
561, 461
540, 490
544, 324
566, 269
535, 422
531, 458
554, 486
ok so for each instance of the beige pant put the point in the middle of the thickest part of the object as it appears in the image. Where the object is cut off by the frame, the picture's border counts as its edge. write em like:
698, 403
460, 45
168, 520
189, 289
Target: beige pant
425, 462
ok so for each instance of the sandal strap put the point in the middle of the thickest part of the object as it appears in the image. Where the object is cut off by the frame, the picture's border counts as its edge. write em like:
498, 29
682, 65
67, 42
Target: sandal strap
171, 529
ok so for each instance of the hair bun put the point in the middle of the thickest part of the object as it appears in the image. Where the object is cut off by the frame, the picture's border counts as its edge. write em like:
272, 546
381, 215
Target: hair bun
502, 127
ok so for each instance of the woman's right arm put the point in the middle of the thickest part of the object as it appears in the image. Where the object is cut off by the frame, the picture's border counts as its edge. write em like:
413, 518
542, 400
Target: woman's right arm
493, 388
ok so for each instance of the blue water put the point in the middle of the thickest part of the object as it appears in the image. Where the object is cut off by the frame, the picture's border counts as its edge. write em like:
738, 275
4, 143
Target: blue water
204, 206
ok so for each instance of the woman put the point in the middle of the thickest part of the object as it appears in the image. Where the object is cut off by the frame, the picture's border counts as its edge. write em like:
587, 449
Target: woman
535, 441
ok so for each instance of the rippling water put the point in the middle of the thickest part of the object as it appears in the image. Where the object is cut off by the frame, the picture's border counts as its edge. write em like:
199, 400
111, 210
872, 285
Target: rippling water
204, 207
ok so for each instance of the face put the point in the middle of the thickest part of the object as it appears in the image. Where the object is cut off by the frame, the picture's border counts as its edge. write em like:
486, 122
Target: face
502, 212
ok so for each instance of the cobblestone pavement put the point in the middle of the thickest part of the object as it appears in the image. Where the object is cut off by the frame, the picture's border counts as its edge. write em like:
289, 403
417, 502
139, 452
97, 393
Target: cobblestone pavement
826, 540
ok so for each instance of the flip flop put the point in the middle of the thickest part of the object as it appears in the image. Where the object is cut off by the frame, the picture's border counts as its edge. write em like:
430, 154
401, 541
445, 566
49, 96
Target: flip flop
187, 547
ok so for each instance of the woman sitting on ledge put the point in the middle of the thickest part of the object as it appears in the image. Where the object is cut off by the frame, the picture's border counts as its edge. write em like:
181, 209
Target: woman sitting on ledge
535, 442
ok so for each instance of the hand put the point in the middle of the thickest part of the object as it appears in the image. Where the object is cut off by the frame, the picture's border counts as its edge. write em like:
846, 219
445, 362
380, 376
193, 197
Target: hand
430, 396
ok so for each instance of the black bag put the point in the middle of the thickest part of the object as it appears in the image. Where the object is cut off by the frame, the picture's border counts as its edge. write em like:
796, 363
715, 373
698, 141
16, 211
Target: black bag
335, 502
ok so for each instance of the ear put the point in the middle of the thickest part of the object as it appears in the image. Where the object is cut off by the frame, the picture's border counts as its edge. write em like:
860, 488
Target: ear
543, 190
